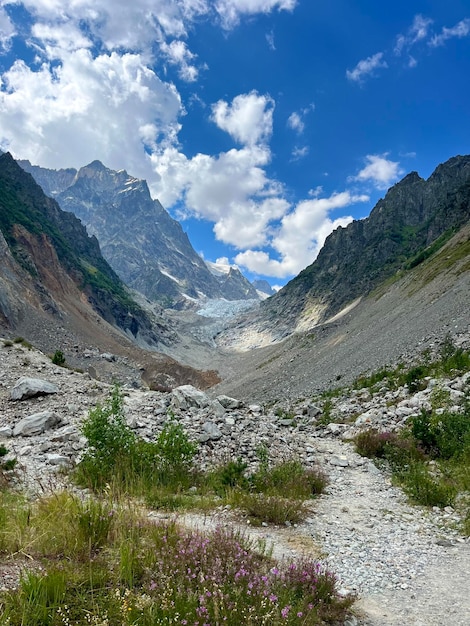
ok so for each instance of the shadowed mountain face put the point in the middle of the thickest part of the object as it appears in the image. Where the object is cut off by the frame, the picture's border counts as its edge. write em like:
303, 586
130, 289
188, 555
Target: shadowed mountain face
57, 290
146, 247
413, 221
54, 250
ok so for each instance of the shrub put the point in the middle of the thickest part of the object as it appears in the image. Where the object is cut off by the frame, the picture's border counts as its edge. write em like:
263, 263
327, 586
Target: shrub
58, 358
115, 455
423, 488
175, 450
273, 509
372, 443
228, 476
289, 479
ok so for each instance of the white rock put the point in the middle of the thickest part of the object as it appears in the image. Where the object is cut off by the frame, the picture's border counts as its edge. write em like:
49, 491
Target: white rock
30, 387
35, 424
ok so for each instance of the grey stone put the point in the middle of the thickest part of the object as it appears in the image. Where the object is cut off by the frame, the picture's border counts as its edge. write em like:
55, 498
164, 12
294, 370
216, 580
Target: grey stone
58, 459
187, 396
217, 409
31, 387
35, 424
6, 431
212, 431
230, 403
339, 460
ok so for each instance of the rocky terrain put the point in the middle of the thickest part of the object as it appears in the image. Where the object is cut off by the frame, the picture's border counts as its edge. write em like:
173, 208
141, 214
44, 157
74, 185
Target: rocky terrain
407, 564
152, 253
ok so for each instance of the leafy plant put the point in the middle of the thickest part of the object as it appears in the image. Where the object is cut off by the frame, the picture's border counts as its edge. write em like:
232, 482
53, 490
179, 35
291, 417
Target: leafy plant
58, 358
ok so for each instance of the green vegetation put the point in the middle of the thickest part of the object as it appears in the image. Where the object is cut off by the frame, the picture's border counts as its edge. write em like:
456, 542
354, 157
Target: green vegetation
104, 561
163, 473
449, 360
109, 564
430, 458
58, 358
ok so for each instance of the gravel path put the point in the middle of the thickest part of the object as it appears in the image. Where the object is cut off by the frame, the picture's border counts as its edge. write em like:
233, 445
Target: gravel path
408, 565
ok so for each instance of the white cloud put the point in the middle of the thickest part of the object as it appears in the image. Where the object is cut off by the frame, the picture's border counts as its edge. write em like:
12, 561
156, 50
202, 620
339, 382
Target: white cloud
106, 107
178, 54
379, 170
300, 236
299, 153
230, 190
270, 40
7, 29
296, 123
230, 11
460, 30
248, 119
418, 31
366, 67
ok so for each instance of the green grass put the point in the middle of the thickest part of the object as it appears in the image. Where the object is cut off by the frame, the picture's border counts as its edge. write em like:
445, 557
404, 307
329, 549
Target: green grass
125, 569
430, 457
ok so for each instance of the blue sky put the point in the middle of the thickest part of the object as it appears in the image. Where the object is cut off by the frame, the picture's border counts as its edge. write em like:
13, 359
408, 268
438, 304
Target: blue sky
261, 125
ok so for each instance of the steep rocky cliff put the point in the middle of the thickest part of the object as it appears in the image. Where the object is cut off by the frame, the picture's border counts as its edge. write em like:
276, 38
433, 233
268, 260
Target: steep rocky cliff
51, 250
145, 246
413, 220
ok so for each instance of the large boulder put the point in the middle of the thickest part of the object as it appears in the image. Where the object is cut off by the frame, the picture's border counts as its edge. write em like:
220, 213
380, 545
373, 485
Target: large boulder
35, 424
187, 396
31, 387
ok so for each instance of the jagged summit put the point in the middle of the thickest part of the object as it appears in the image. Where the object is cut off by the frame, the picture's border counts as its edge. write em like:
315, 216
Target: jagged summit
413, 220
145, 246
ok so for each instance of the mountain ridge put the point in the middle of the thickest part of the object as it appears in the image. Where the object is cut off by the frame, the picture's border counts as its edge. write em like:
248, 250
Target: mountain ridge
152, 254
355, 259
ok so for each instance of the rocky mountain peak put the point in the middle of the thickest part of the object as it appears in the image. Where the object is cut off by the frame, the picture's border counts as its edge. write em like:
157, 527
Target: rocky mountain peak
399, 233
145, 246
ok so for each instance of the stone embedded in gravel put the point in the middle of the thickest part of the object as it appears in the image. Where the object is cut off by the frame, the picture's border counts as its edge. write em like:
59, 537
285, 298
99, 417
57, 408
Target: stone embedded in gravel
339, 460
230, 403
5, 432
35, 424
58, 459
31, 387
210, 432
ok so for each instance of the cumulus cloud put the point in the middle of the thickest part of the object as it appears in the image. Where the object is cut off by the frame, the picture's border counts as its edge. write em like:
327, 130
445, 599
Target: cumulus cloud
379, 170
231, 190
178, 54
301, 235
108, 107
366, 68
230, 11
460, 30
248, 119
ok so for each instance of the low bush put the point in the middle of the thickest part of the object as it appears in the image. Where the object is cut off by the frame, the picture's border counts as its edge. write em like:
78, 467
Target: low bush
114, 455
151, 573
58, 358
272, 509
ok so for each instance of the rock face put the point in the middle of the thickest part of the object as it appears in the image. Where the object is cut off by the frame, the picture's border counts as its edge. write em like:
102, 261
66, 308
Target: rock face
49, 254
415, 218
145, 246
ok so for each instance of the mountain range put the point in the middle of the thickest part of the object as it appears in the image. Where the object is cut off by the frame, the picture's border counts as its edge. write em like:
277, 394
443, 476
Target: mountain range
392, 283
146, 247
